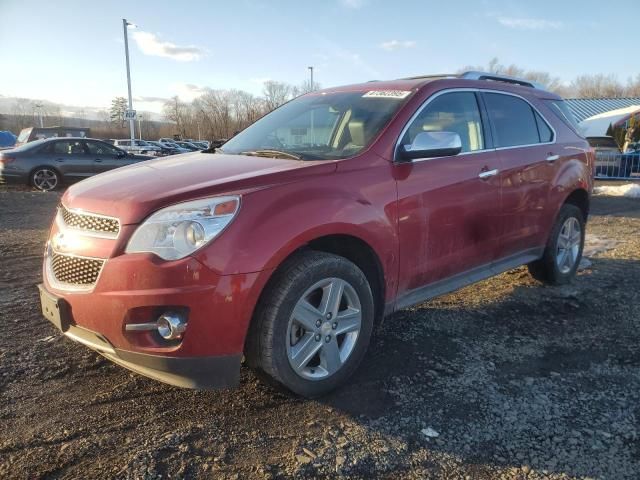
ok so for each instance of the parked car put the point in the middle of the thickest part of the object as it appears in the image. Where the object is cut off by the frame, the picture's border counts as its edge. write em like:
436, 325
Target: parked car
188, 146
291, 242
31, 134
138, 147
168, 148
46, 164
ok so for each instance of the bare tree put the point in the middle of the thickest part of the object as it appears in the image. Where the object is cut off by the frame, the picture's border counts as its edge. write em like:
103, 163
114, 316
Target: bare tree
276, 94
595, 86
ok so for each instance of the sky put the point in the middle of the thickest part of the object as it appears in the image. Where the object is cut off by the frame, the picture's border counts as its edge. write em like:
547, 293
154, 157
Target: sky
72, 52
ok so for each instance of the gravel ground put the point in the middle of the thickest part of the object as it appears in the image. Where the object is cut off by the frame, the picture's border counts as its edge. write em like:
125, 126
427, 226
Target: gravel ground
504, 379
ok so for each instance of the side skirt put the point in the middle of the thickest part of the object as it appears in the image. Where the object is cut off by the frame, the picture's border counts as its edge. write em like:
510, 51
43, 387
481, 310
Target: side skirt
460, 280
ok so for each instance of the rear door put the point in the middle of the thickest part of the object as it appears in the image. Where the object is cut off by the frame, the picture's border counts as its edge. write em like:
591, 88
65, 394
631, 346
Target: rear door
526, 145
70, 158
449, 207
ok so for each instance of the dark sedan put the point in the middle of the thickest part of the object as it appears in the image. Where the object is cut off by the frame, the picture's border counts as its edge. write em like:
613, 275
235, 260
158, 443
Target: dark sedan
48, 163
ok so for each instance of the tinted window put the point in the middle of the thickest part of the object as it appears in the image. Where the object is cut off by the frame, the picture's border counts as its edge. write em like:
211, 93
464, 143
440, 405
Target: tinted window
513, 119
544, 132
99, 148
67, 147
562, 110
452, 112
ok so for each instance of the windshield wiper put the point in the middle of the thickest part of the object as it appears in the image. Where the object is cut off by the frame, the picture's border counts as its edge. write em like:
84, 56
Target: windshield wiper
272, 154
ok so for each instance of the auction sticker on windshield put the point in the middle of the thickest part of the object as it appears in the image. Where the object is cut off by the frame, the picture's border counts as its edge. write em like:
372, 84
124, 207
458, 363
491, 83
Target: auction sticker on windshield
387, 94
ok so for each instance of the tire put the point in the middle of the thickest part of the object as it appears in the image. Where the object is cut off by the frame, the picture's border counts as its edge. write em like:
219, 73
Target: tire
334, 345
45, 179
563, 252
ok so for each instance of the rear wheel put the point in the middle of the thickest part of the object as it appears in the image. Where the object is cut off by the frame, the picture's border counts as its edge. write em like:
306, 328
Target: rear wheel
313, 324
564, 249
45, 179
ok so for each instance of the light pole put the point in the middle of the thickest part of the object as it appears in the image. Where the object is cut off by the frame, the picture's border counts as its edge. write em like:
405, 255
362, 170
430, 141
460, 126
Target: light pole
132, 124
311, 84
313, 131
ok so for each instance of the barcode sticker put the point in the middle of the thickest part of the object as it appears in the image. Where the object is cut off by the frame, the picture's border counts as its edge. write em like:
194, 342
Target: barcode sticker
387, 94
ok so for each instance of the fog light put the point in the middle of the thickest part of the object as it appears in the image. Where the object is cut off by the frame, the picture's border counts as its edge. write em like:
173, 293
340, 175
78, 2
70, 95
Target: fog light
171, 326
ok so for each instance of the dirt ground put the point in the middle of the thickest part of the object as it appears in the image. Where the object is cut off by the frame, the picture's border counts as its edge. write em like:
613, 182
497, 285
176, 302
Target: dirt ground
504, 379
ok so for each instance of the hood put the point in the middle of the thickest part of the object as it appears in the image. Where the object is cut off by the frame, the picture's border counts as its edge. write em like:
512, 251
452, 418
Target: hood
131, 193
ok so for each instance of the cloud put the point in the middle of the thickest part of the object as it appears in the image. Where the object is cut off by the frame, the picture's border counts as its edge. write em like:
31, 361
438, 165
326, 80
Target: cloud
188, 91
392, 45
355, 4
520, 23
150, 99
150, 44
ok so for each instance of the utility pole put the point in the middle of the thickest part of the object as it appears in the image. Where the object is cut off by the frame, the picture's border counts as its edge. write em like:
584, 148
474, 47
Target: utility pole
311, 87
39, 110
126, 52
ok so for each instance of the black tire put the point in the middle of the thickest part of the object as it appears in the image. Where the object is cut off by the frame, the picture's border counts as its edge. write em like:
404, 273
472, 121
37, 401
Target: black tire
45, 178
268, 337
546, 269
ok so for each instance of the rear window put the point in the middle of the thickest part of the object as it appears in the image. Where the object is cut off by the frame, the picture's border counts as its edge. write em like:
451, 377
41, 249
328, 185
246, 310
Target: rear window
561, 109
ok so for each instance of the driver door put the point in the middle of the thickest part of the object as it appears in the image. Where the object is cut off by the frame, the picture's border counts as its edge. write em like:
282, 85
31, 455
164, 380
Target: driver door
449, 206
105, 157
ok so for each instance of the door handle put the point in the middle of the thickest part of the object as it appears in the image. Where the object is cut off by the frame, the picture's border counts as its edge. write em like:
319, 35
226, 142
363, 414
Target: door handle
552, 158
488, 173
59, 160
97, 160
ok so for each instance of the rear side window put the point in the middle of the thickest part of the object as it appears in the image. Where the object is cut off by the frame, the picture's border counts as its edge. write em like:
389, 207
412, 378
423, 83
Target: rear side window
561, 109
544, 131
513, 119
451, 112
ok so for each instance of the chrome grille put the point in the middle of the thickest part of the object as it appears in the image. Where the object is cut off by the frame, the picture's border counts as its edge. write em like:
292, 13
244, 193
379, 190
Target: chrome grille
73, 270
90, 222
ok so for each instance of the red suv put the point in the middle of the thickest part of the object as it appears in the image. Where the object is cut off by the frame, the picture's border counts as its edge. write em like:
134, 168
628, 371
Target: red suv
287, 244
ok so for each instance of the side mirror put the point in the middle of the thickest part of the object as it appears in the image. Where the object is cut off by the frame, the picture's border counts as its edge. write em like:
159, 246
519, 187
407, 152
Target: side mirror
432, 144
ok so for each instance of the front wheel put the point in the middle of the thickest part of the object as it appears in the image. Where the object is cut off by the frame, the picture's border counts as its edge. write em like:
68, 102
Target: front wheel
45, 179
313, 324
563, 252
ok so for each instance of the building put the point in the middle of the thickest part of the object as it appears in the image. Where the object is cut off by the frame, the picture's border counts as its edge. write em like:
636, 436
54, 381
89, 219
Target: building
596, 114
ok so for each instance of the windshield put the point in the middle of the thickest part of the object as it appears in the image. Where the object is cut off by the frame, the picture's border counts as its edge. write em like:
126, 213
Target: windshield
320, 126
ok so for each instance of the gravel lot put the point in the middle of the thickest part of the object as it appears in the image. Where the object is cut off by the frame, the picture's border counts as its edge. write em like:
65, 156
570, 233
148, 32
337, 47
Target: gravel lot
504, 379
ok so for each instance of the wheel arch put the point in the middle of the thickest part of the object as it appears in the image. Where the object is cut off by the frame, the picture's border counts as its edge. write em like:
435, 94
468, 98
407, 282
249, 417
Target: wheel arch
580, 198
349, 246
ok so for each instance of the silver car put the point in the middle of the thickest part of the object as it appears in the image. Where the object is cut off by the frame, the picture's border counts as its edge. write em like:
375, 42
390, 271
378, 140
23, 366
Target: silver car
46, 164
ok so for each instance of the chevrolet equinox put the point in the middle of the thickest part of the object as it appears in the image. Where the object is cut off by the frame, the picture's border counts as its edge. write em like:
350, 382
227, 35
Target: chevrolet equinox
289, 243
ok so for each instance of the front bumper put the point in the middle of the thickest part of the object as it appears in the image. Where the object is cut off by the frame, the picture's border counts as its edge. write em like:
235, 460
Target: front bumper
207, 372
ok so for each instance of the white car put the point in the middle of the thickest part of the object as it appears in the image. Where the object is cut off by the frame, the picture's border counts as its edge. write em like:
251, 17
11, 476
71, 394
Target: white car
138, 146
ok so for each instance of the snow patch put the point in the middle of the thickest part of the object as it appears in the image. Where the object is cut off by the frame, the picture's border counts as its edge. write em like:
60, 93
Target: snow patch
630, 190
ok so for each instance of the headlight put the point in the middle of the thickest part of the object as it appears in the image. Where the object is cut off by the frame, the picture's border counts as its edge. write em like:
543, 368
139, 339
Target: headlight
179, 230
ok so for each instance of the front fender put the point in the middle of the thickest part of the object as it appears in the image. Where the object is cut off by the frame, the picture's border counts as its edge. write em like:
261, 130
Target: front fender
275, 222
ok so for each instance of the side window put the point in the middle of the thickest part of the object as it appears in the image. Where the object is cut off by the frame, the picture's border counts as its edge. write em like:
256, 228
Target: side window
68, 147
451, 112
513, 119
98, 148
545, 133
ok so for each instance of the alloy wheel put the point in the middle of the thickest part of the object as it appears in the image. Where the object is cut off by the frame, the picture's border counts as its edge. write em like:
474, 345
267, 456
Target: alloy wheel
45, 179
323, 328
568, 245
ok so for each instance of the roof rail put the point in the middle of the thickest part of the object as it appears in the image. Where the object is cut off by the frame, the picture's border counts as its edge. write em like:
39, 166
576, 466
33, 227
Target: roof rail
496, 77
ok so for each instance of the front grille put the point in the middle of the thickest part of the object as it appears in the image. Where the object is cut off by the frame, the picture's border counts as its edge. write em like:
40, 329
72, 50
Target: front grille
90, 222
78, 271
